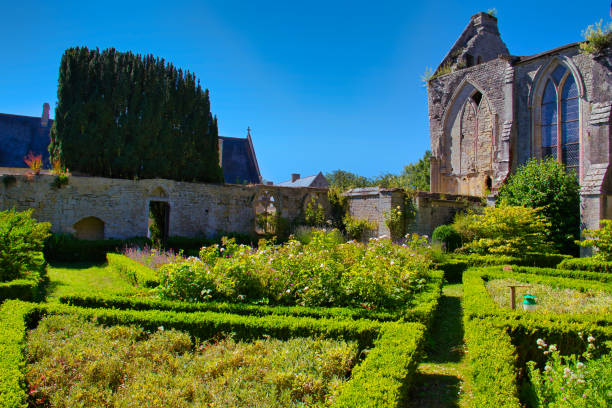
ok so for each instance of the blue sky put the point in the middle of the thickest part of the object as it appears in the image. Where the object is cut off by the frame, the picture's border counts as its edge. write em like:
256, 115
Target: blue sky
324, 85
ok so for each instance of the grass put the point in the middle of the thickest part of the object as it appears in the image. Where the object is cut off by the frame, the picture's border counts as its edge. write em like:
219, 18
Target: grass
549, 298
441, 380
73, 278
73, 362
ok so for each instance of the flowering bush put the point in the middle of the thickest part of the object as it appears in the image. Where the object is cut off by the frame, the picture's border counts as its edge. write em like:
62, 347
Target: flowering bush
394, 220
320, 273
572, 381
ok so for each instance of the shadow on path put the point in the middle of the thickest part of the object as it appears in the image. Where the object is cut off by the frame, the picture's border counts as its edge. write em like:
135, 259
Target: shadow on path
440, 380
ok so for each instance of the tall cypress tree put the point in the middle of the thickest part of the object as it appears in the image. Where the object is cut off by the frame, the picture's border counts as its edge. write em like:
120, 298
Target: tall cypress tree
124, 115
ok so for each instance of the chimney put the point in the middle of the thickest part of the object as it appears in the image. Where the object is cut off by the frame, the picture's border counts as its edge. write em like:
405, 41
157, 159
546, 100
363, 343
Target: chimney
44, 120
295, 176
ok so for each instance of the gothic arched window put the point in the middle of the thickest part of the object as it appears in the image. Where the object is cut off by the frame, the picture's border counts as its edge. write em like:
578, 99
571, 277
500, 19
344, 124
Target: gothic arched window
559, 122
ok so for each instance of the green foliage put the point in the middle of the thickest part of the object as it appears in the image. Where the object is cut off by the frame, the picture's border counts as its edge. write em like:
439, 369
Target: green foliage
123, 366
21, 243
345, 180
383, 378
571, 381
506, 230
416, 175
492, 358
601, 239
314, 214
338, 207
67, 248
135, 273
562, 273
129, 116
453, 269
12, 339
598, 38
320, 273
60, 180
31, 288
586, 264
546, 185
528, 259
356, 228
394, 220
447, 235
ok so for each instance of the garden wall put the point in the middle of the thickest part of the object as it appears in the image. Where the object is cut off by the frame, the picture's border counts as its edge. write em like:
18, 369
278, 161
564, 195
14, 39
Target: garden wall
122, 206
432, 209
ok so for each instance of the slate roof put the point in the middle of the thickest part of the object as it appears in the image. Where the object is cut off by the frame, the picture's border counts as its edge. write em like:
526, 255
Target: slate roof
20, 135
238, 160
304, 181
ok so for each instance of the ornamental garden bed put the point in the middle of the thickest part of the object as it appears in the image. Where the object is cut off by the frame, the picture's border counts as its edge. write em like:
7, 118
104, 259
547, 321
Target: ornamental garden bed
388, 352
501, 340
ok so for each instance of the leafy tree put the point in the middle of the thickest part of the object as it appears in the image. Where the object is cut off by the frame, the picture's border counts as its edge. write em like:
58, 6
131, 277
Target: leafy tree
506, 230
601, 239
345, 180
416, 175
21, 243
129, 116
546, 185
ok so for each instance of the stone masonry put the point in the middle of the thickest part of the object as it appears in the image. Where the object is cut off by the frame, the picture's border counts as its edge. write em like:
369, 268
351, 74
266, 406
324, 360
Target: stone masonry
490, 112
196, 209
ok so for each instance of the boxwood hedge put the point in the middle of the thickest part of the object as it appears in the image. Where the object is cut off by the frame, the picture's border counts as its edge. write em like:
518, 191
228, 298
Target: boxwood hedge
132, 271
385, 373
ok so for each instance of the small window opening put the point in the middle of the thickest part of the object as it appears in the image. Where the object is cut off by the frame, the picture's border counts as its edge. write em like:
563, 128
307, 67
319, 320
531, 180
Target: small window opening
489, 184
469, 60
479, 60
477, 97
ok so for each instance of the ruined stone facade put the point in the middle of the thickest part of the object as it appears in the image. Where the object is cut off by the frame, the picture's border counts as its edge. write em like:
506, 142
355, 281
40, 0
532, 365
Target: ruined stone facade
490, 112
96, 208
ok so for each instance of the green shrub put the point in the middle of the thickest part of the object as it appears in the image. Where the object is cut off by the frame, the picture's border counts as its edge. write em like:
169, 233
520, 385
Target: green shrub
447, 235
383, 378
528, 259
21, 243
576, 381
507, 230
491, 359
31, 288
598, 38
565, 273
453, 269
135, 273
600, 239
12, 340
394, 220
544, 185
314, 214
321, 273
586, 264
357, 228
67, 248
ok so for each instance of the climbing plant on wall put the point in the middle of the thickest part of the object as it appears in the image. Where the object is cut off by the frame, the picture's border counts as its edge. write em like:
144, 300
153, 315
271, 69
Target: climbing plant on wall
130, 116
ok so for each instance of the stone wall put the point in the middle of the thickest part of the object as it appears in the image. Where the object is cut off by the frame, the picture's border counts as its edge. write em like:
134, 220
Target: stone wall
432, 209
196, 209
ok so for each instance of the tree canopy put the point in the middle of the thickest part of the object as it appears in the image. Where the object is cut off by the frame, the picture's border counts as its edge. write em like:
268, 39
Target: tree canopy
129, 116
546, 185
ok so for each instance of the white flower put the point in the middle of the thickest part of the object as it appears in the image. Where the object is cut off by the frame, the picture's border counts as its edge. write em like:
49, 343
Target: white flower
566, 372
591, 339
306, 288
552, 348
547, 368
574, 377
540, 342
160, 328
580, 365
288, 291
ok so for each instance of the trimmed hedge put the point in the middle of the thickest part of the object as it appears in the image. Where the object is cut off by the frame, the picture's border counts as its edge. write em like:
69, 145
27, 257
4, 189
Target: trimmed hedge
422, 308
385, 373
565, 273
453, 269
12, 363
530, 259
66, 248
384, 377
501, 341
132, 271
30, 288
586, 264
492, 360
